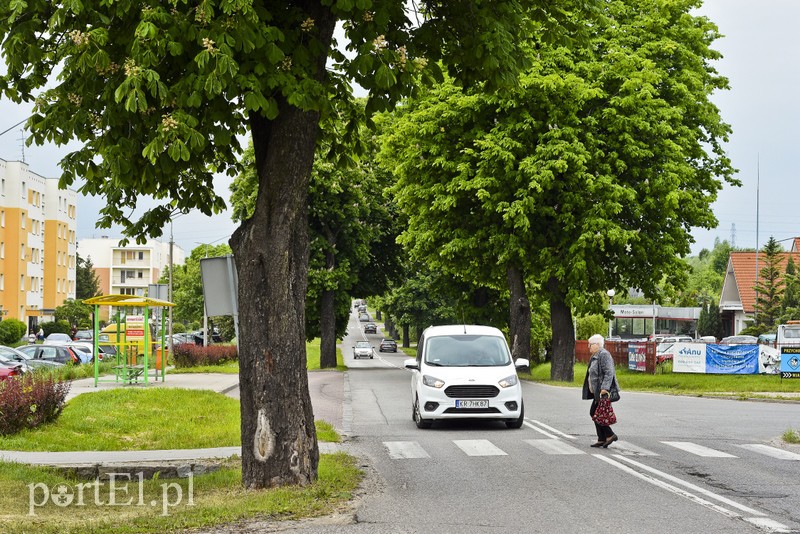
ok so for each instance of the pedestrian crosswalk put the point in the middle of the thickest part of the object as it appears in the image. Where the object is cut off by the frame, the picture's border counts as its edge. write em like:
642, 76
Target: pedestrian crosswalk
557, 443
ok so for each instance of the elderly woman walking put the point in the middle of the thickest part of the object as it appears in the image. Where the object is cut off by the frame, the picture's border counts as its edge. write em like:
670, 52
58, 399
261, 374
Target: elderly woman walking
600, 381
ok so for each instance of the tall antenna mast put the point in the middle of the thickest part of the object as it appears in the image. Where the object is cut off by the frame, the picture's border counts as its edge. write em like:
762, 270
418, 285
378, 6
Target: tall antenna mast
22, 143
758, 187
733, 235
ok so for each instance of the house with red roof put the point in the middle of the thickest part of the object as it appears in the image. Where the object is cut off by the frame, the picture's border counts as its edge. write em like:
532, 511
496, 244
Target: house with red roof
738, 299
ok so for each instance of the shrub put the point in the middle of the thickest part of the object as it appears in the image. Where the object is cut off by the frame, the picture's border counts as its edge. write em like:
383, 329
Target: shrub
178, 328
50, 327
189, 355
11, 331
29, 401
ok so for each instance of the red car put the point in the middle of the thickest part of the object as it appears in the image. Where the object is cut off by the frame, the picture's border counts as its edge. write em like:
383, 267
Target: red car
8, 372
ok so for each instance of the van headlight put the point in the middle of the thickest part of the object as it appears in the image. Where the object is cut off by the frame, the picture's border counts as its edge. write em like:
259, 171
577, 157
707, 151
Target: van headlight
508, 381
432, 381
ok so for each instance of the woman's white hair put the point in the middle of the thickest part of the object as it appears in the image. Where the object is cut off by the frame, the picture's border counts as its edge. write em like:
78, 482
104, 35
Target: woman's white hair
597, 338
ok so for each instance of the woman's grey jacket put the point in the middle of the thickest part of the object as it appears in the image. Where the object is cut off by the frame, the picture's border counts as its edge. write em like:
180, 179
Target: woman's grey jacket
601, 374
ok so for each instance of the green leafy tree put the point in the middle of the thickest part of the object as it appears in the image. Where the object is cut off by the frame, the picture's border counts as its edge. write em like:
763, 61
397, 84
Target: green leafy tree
346, 219
586, 176
87, 284
790, 303
74, 312
157, 95
769, 286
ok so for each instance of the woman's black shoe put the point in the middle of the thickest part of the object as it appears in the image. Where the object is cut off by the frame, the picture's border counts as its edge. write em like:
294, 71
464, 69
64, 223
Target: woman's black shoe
598, 444
609, 441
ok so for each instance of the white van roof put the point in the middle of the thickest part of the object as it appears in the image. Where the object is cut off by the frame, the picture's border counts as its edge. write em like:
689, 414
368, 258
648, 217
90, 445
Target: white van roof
462, 329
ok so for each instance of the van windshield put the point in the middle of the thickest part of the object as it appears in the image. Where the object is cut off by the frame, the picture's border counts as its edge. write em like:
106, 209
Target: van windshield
466, 351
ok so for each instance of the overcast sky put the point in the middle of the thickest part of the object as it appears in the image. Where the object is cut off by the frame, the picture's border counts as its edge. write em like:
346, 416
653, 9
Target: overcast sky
761, 58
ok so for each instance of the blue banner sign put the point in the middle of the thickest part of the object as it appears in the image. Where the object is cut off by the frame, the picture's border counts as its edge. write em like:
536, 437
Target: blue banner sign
732, 359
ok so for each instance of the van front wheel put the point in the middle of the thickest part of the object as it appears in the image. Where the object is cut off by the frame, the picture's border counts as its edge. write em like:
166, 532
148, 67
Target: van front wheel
517, 423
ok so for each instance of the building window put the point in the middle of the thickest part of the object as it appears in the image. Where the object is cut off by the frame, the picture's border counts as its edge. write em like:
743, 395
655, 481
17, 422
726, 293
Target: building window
22, 220
141, 256
2, 282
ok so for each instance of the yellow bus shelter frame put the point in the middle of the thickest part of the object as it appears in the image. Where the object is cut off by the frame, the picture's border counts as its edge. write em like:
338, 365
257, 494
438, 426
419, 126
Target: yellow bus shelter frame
124, 369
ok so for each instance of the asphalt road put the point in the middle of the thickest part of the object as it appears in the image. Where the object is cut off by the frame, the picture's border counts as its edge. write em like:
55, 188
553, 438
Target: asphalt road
682, 464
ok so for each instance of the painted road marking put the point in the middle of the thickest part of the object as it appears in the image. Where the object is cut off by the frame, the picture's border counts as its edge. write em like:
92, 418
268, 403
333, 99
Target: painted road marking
553, 446
773, 452
405, 449
478, 447
698, 450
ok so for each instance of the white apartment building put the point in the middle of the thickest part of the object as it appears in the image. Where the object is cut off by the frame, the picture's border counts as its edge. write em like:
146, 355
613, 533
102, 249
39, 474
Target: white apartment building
37, 244
130, 269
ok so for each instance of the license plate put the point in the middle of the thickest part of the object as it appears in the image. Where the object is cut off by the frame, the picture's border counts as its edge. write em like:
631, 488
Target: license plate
472, 404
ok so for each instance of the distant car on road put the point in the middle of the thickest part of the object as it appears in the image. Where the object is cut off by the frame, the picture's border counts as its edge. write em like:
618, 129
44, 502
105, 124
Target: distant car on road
388, 345
362, 349
370, 328
364, 318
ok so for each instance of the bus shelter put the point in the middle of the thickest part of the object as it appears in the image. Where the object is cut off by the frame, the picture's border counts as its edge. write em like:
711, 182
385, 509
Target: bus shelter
135, 346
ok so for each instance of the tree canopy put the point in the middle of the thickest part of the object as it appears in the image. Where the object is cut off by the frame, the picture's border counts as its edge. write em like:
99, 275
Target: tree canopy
157, 95
586, 176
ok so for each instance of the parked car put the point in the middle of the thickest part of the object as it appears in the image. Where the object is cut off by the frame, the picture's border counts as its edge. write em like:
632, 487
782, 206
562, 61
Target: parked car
370, 328
388, 345
364, 318
83, 335
677, 339
8, 363
767, 339
9, 372
739, 340
22, 358
57, 338
52, 353
362, 349
465, 371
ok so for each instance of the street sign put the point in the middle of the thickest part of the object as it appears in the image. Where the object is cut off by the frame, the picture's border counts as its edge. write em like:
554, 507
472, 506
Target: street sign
790, 362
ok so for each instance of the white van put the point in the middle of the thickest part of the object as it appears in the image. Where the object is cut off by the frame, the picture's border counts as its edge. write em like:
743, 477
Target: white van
788, 334
465, 371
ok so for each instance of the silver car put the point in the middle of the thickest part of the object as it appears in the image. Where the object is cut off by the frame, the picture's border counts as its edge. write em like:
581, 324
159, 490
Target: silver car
362, 349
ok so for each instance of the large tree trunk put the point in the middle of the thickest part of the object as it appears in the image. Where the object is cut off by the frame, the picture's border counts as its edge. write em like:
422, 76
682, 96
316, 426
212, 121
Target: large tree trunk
406, 338
563, 362
279, 442
327, 323
519, 315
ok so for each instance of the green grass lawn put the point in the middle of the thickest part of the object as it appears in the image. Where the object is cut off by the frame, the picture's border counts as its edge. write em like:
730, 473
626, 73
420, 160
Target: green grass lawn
217, 498
312, 362
683, 383
136, 419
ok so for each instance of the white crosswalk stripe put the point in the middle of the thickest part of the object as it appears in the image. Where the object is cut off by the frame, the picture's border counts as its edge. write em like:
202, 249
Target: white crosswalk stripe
698, 450
773, 452
405, 449
553, 446
627, 448
478, 447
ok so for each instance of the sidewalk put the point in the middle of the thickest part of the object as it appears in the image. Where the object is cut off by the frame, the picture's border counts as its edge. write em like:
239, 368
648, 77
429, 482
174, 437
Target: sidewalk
327, 398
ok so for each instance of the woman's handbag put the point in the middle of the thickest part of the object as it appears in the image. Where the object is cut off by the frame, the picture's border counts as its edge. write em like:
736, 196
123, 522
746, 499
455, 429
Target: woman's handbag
614, 393
604, 414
